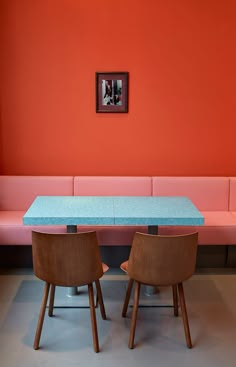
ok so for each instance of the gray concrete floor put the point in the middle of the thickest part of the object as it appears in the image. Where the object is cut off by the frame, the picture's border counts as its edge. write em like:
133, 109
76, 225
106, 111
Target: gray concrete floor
66, 338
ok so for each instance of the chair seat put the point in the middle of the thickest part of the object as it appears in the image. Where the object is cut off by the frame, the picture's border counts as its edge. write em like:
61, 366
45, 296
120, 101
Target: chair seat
124, 266
105, 268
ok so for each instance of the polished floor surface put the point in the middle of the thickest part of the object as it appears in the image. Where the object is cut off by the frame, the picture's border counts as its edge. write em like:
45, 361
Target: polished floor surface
66, 338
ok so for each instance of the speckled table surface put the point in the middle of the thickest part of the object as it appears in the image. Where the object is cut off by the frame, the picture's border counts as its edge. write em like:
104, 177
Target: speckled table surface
112, 210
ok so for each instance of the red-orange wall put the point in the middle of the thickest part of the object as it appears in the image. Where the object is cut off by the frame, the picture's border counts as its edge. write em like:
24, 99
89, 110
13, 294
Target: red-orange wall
181, 56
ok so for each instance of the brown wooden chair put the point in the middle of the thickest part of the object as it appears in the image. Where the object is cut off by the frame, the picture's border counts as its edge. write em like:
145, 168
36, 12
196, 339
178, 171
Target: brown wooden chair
160, 261
68, 260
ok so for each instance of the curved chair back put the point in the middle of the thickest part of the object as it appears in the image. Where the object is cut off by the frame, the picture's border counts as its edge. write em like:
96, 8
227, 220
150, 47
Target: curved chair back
162, 260
66, 259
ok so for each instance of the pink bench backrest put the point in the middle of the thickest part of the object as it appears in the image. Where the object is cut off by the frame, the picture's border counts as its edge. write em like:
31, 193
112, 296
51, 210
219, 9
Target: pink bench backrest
207, 193
18, 192
232, 194
112, 186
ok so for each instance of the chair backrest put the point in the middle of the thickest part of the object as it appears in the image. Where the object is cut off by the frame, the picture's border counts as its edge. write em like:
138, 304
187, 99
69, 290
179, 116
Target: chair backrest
162, 260
66, 259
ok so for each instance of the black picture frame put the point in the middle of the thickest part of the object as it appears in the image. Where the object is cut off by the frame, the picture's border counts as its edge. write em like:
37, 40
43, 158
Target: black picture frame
112, 92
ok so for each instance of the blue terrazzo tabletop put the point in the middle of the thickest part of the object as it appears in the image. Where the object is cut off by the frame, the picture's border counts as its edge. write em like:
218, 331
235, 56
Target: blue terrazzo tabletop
112, 210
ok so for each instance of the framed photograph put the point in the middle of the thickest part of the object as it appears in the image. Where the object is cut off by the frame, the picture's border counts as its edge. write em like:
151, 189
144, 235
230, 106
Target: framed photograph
112, 92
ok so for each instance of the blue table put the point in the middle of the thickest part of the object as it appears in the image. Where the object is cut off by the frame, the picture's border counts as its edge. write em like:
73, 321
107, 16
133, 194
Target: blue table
112, 210
149, 211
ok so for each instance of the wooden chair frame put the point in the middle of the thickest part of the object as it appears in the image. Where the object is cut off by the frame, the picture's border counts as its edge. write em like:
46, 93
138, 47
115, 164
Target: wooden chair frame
78, 263
179, 253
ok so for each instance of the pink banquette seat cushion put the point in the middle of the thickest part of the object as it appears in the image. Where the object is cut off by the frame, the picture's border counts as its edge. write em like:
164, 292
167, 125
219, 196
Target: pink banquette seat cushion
219, 229
13, 232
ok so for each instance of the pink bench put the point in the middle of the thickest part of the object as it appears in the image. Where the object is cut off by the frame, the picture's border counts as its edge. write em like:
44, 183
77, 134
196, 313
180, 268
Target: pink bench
215, 197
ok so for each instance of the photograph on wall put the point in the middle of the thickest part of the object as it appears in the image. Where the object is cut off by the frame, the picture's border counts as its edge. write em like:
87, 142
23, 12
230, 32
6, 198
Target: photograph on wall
112, 92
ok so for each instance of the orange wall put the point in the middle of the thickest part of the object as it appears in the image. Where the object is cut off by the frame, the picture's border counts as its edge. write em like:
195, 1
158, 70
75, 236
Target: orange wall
181, 57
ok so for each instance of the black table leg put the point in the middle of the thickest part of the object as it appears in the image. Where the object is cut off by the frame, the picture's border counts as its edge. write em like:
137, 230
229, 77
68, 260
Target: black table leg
152, 229
71, 229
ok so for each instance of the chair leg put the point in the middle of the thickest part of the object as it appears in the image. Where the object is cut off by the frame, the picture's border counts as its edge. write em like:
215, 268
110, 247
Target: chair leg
100, 299
93, 318
184, 315
41, 316
134, 315
51, 301
127, 297
175, 299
